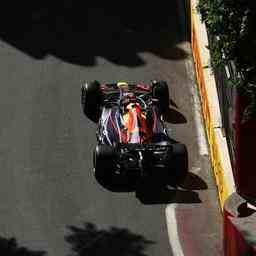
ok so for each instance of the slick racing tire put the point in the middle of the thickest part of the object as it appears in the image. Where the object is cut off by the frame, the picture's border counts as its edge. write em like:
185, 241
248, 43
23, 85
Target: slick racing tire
105, 170
178, 165
104, 163
90, 100
161, 93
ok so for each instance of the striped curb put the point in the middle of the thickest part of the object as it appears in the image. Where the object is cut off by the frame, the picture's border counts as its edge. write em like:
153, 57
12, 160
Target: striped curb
210, 106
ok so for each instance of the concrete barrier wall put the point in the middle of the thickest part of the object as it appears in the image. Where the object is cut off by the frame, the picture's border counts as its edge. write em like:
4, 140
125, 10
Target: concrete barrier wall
239, 227
210, 106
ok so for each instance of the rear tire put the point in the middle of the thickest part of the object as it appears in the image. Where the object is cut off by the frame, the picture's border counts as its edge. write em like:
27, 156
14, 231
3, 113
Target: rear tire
90, 100
178, 166
161, 93
104, 162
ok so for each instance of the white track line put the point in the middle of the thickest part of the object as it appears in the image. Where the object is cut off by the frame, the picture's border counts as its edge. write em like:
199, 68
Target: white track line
203, 150
200, 131
173, 231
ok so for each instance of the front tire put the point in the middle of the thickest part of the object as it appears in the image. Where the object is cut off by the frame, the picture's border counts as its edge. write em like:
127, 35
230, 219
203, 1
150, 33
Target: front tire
90, 100
161, 93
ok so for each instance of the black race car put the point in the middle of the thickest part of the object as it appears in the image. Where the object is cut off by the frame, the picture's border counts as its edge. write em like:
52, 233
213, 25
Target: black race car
131, 133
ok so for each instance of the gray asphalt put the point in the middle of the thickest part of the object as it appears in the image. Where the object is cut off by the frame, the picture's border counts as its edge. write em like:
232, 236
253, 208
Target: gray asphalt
50, 201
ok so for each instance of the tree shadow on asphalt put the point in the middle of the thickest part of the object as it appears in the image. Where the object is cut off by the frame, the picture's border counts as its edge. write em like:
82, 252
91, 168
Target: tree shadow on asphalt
10, 247
77, 33
89, 240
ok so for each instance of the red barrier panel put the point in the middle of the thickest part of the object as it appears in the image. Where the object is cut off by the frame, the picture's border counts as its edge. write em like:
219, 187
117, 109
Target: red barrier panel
239, 231
245, 163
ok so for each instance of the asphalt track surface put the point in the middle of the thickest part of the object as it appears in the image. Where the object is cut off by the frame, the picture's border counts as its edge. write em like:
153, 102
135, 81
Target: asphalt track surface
51, 203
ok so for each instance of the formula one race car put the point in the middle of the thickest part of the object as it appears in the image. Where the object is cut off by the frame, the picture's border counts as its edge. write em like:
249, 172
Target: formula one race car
132, 137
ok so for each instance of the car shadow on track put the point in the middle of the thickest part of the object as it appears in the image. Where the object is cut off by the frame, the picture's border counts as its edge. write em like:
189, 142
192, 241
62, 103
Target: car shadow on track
174, 117
167, 196
193, 182
153, 193
89, 240
123, 186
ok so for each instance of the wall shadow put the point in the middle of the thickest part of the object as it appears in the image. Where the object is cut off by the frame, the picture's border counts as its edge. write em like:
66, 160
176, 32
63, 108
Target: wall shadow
10, 247
244, 211
89, 240
77, 33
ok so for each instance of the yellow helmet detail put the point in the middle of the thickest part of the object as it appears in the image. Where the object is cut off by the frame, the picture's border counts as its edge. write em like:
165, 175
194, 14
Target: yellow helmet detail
122, 84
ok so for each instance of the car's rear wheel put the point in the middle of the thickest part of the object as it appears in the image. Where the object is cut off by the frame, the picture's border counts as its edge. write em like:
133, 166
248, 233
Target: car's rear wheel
161, 93
90, 100
178, 164
104, 162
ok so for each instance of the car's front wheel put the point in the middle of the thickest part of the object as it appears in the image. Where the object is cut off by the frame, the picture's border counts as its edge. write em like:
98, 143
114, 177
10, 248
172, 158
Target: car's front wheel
160, 91
90, 100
